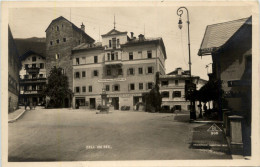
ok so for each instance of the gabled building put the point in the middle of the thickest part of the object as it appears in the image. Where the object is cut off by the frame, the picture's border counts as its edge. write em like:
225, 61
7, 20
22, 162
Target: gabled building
14, 66
172, 89
32, 78
123, 66
61, 37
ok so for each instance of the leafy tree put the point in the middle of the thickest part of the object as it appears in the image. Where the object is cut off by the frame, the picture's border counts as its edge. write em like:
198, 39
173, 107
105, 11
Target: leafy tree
57, 88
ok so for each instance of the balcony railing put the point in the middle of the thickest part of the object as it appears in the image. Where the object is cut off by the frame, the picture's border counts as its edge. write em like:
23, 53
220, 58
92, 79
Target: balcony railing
31, 91
32, 69
33, 80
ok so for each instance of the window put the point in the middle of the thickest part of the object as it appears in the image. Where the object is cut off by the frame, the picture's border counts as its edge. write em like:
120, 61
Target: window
120, 71
33, 87
140, 56
95, 73
83, 88
149, 54
117, 43
77, 75
165, 94
140, 70
176, 82
77, 89
95, 59
57, 56
150, 70
83, 74
116, 55
58, 29
165, 83
114, 42
50, 42
150, 85
83, 60
42, 65
110, 43
108, 56
177, 107
116, 88
90, 88
141, 86
132, 86
107, 87
108, 72
64, 39
57, 41
41, 75
34, 58
33, 65
112, 56
188, 107
176, 94
77, 61
26, 76
26, 66
131, 56
131, 71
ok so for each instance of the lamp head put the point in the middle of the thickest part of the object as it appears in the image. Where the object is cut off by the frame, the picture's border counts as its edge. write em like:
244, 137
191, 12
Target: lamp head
180, 23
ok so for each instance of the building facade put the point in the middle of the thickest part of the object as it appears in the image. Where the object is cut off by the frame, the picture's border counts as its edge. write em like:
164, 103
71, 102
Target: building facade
61, 36
123, 66
13, 73
32, 78
172, 89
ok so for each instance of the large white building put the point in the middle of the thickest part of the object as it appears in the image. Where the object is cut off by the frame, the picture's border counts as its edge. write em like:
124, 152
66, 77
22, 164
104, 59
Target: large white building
123, 66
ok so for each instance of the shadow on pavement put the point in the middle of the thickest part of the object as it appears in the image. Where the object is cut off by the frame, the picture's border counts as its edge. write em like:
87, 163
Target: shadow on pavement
182, 118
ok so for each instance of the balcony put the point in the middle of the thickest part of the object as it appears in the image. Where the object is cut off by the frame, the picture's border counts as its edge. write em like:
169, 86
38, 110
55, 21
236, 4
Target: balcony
32, 70
33, 80
30, 92
113, 63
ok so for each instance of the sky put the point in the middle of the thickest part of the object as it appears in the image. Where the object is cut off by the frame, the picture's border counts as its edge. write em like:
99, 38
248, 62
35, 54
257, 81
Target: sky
151, 21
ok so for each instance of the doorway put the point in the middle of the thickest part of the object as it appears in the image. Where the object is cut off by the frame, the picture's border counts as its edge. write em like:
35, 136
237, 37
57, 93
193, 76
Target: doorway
92, 103
115, 103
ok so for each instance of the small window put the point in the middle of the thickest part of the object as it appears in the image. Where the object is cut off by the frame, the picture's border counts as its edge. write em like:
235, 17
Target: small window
165, 83
116, 88
90, 88
107, 87
57, 56
117, 43
95, 73
150, 85
33, 65
165, 94
64, 39
26, 66
110, 43
150, 70
83, 74
120, 71
140, 70
41, 75
176, 94
58, 28
177, 107
149, 54
108, 56
83, 88
95, 59
26, 76
131, 71
131, 56
42, 65
141, 86
58, 41
50, 42
176, 82
112, 56
108, 72
33, 58
132, 86
77, 61
77, 75
77, 89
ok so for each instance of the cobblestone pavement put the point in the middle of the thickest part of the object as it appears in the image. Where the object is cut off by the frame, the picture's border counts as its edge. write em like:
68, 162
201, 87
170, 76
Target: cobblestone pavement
79, 135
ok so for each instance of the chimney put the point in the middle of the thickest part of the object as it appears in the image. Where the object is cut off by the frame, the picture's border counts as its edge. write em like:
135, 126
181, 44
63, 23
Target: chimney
82, 27
132, 35
141, 37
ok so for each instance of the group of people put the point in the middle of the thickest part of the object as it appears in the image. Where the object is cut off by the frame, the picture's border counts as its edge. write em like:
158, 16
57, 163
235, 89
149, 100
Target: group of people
30, 105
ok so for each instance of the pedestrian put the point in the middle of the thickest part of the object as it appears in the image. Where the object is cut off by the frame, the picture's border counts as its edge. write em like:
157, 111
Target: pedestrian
25, 105
34, 105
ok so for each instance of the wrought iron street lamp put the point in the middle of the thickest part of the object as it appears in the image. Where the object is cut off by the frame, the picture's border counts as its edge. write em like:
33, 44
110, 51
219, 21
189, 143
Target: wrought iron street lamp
179, 13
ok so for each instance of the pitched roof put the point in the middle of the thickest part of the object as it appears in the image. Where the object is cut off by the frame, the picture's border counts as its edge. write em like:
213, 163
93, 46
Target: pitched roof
73, 26
114, 32
217, 35
28, 53
86, 46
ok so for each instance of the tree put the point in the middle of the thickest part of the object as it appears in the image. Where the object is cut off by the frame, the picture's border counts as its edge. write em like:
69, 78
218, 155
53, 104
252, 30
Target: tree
57, 88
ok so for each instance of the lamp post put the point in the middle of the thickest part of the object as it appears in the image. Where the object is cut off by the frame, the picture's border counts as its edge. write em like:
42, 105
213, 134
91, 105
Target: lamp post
179, 13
